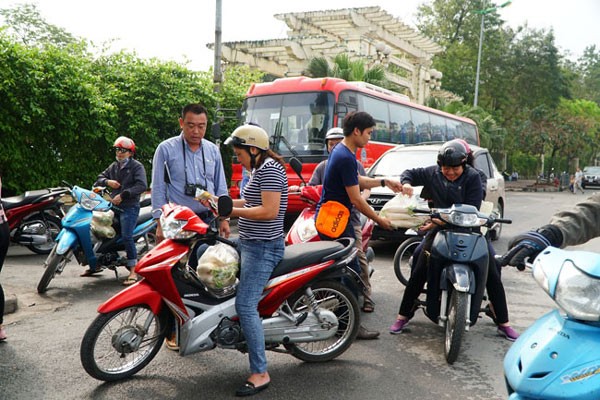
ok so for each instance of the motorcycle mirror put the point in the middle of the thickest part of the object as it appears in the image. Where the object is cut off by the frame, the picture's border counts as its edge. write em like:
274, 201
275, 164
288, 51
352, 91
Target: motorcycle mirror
297, 167
225, 206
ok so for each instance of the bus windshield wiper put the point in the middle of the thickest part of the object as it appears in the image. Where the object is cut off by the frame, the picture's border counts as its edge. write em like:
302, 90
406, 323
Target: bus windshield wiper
288, 145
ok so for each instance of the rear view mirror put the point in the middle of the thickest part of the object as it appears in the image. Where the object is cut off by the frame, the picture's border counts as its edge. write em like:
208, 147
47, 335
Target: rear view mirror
216, 132
296, 165
225, 206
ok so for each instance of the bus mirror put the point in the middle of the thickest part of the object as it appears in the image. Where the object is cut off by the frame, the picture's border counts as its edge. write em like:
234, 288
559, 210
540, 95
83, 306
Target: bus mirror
297, 167
216, 131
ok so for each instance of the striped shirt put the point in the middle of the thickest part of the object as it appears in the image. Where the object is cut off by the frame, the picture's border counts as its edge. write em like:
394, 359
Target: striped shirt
269, 177
3, 218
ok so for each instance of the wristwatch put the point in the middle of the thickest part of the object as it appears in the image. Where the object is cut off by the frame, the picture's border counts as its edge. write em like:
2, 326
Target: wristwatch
383, 183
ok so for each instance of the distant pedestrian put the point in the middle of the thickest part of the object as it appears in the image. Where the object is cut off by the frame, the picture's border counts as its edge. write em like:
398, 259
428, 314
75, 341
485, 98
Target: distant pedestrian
578, 180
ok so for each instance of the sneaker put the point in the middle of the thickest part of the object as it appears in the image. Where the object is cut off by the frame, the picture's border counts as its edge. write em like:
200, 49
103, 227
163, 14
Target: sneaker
2, 334
365, 334
398, 326
508, 332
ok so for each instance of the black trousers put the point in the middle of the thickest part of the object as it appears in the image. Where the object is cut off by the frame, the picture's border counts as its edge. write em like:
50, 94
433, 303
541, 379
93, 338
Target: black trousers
418, 278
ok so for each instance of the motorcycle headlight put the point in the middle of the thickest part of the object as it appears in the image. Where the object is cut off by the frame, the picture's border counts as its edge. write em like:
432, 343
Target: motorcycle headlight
307, 230
173, 228
466, 220
89, 203
578, 293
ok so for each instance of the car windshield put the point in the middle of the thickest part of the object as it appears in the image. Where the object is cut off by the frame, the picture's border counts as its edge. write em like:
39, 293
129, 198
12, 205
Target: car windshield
395, 163
591, 170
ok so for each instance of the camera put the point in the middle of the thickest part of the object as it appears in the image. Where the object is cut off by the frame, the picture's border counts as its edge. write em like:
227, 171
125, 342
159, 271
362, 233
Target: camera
190, 189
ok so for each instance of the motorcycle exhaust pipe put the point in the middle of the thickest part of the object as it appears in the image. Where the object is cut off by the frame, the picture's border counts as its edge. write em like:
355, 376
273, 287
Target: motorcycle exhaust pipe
32, 239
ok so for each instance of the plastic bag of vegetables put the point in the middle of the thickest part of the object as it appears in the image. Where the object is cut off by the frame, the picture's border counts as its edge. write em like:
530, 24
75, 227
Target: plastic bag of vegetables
102, 224
218, 266
399, 210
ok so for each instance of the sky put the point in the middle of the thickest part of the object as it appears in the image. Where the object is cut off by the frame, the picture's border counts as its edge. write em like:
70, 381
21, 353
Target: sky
179, 30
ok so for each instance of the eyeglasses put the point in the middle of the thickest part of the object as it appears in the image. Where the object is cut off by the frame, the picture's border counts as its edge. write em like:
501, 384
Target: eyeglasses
121, 149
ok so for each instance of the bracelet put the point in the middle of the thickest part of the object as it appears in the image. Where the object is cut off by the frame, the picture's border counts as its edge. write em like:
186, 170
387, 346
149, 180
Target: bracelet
226, 219
382, 183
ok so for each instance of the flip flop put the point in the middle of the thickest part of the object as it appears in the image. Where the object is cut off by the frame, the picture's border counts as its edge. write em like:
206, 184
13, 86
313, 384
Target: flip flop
129, 281
248, 389
368, 307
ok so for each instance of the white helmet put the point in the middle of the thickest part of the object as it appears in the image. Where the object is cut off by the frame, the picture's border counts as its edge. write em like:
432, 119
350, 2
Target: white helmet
334, 133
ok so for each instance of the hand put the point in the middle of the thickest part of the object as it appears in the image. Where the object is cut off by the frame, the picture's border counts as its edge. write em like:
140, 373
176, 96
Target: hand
385, 223
113, 184
224, 229
407, 189
117, 200
293, 189
396, 186
523, 247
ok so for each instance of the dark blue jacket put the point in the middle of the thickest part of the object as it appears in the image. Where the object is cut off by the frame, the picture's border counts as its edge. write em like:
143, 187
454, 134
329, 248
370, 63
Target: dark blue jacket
443, 193
132, 178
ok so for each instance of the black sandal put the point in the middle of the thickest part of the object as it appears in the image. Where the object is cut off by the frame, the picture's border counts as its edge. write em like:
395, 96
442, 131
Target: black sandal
248, 389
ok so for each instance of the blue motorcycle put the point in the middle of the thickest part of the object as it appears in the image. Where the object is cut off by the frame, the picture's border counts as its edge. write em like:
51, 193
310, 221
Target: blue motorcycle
77, 238
558, 357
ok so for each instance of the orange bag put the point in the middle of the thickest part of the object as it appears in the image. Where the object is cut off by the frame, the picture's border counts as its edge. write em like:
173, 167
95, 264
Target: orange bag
332, 219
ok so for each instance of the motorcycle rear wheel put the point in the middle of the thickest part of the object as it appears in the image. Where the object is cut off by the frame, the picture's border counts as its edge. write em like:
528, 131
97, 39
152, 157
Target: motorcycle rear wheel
455, 325
53, 226
337, 298
53, 263
115, 346
403, 258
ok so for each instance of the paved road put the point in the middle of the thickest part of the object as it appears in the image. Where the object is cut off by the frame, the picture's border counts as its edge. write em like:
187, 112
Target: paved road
41, 357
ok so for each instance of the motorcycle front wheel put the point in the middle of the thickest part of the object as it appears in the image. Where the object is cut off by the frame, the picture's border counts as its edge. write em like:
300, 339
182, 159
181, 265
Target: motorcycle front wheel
455, 325
120, 343
335, 297
54, 263
53, 226
403, 259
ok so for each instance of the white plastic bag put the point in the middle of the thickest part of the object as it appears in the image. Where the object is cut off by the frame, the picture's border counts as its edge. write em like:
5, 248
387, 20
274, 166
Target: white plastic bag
218, 266
102, 224
399, 210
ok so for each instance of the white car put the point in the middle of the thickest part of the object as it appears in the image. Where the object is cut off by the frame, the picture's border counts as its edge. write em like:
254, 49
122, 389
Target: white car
392, 163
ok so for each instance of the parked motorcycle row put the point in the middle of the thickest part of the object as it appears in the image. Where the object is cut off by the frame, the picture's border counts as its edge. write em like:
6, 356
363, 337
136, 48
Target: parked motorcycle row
307, 312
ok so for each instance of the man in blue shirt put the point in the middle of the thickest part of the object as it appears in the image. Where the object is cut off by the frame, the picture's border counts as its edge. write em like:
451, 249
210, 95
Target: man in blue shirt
190, 162
343, 184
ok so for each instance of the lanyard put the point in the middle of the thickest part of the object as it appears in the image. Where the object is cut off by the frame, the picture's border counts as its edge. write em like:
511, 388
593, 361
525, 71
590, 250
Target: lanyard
185, 165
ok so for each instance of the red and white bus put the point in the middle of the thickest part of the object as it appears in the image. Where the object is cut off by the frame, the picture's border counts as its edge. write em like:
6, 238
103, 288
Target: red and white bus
298, 112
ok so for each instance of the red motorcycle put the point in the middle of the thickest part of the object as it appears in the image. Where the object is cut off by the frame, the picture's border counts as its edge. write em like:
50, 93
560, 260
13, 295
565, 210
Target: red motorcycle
303, 230
34, 218
306, 311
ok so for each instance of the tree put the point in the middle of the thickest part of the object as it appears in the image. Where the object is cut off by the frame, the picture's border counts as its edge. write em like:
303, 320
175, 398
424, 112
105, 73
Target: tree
349, 70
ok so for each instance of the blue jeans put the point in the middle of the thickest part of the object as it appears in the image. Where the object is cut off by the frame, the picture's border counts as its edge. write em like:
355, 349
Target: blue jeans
258, 259
128, 219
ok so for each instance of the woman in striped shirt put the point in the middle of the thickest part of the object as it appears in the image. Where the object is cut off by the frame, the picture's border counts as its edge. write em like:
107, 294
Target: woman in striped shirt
4, 235
260, 226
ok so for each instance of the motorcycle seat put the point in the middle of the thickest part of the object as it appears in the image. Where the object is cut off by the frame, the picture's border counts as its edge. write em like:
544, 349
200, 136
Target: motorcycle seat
25, 198
145, 215
303, 254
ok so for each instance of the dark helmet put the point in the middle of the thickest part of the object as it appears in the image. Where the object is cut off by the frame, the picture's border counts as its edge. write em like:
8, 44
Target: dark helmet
452, 154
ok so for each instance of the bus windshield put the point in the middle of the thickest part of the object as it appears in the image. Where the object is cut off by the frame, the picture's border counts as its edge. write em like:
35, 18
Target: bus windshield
297, 122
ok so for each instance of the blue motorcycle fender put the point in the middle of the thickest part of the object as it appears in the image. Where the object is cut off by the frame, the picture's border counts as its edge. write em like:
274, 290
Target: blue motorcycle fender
65, 241
144, 228
461, 276
556, 358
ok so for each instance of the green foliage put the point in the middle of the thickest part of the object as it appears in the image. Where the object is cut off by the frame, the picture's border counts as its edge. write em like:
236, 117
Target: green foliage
349, 70
62, 107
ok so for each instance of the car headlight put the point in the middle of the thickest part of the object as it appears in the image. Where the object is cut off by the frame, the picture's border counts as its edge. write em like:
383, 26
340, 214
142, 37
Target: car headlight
307, 229
466, 220
173, 228
578, 293
90, 203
